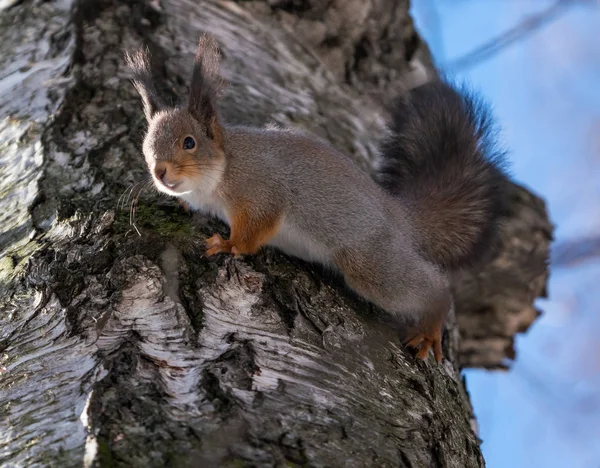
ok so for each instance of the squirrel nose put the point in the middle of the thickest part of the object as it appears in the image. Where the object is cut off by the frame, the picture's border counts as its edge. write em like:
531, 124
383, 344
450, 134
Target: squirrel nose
160, 171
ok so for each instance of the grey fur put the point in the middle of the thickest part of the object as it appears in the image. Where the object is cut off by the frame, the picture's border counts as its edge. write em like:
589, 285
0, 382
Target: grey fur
333, 208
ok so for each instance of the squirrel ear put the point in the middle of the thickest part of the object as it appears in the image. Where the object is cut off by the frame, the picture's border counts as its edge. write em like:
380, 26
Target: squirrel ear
205, 86
139, 64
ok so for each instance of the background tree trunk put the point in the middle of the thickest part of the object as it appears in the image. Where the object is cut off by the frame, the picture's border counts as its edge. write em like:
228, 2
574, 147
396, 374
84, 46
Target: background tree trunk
121, 344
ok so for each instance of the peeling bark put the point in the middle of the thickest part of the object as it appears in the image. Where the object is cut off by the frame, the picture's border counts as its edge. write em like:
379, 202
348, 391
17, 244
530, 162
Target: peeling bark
122, 344
497, 303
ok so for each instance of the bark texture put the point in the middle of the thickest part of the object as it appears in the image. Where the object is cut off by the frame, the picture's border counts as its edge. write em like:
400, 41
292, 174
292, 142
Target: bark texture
121, 344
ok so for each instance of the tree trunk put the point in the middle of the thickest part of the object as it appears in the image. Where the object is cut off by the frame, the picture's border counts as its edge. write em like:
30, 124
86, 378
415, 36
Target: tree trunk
121, 344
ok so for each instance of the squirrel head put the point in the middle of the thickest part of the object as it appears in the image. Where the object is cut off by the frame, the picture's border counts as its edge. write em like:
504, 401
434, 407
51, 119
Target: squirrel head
183, 146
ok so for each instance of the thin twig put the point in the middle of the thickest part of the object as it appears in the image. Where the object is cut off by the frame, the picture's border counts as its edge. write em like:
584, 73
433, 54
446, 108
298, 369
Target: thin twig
526, 27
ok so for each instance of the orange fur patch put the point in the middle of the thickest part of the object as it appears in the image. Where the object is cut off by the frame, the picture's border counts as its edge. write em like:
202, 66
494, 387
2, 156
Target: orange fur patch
185, 165
250, 230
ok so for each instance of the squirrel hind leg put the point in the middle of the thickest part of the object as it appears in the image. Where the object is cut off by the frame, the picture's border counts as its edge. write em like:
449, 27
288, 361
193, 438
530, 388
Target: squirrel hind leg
425, 342
372, 277
427, 334
430, 327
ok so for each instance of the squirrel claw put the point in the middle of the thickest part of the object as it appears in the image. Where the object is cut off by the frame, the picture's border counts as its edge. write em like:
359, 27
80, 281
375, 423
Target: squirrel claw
183, 205
217, 245
214, 240
424, 349
425, 343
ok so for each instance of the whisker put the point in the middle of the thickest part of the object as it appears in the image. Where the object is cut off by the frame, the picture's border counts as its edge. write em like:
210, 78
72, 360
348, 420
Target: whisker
199, 169
210, 177
134, 202
122, 197
137, 199
195, 168
209, 166
131, 191
131, 213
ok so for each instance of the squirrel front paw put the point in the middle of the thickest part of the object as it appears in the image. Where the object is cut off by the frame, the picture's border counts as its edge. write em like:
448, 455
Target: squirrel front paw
183, 205
216, 244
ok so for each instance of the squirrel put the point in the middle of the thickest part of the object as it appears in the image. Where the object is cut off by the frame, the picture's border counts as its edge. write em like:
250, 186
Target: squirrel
433, 206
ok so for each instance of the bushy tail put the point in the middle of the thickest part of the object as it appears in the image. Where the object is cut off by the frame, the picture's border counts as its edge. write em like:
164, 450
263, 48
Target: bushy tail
441, 160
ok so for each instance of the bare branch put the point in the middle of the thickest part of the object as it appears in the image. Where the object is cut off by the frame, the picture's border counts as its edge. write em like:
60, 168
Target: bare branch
528, 26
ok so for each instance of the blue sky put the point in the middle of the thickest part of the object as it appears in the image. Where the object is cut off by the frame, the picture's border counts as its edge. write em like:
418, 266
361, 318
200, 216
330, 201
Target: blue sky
545, 90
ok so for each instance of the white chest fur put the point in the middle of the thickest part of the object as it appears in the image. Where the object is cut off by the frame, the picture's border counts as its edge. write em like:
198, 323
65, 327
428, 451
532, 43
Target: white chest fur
208, 204
292, 241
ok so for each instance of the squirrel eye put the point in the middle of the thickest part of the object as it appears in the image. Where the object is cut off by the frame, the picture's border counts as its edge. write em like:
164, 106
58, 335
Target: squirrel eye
188, 143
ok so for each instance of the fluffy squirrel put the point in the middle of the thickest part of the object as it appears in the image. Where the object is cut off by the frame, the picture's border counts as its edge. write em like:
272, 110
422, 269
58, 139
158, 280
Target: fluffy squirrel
433, 207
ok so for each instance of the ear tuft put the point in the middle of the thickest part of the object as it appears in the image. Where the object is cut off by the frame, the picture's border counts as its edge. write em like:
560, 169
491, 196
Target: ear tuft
205, 86
139, 65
